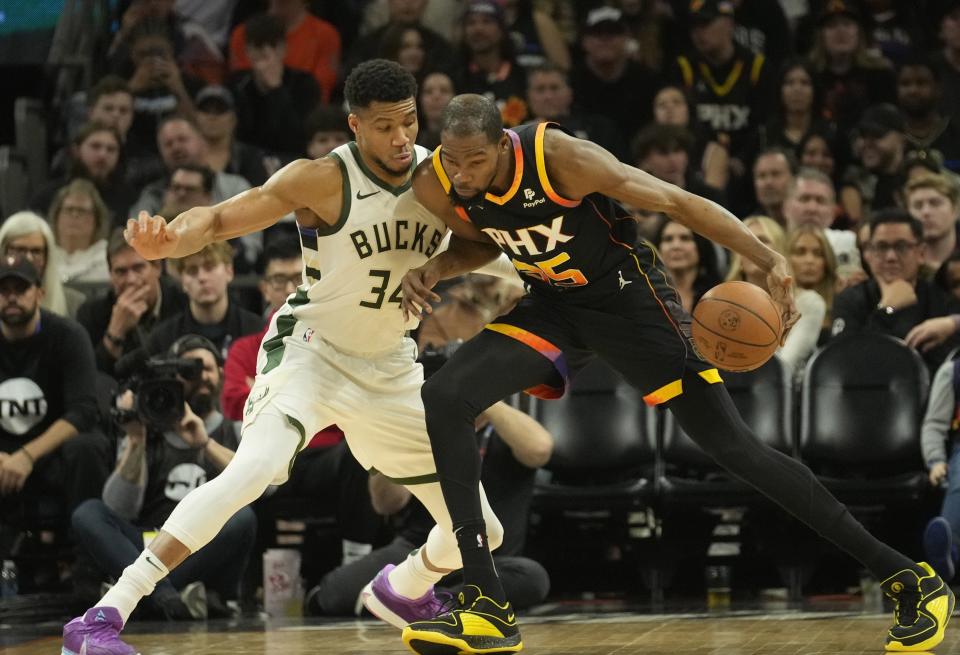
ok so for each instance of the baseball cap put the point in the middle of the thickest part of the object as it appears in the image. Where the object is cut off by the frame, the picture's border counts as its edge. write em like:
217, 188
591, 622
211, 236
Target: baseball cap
487, 7
19, 267
189, 342
214, 93
880, 119
704, 11
607, 20
839, 8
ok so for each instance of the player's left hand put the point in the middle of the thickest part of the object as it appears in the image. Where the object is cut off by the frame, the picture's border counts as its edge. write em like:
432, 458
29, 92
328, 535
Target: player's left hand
417, 294
780, 284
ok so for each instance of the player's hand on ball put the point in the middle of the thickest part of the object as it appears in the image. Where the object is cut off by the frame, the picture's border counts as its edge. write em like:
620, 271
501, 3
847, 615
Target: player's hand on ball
417, 294
150, 236
780, 284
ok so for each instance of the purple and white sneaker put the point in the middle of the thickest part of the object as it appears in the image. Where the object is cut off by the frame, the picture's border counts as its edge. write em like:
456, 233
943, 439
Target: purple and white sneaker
387, 605
96, 633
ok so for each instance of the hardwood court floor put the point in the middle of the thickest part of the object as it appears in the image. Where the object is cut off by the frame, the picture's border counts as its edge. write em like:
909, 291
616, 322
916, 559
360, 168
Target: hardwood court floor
738, 634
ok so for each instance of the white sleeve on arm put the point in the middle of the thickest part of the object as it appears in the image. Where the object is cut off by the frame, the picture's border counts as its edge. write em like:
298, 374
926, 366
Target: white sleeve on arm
936, 422
802, 340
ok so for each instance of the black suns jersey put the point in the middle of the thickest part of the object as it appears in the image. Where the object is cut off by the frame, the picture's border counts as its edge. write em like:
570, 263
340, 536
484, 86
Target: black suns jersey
558, 245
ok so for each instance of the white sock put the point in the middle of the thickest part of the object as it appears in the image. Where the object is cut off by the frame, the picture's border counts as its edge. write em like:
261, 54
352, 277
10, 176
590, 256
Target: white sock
412, 578
138, 580
353, 550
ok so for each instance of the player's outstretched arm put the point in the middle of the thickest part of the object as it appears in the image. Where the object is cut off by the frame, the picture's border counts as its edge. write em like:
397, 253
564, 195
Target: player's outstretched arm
302, 183
469, 247
588, 168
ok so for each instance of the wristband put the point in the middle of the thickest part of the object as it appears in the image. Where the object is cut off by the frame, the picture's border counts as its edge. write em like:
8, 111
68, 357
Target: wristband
117, 341
26, 452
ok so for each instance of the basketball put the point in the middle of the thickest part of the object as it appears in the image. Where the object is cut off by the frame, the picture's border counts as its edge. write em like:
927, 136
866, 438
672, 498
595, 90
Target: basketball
736, 326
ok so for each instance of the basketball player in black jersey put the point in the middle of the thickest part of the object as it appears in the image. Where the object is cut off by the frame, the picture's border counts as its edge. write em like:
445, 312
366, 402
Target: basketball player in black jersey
550, 202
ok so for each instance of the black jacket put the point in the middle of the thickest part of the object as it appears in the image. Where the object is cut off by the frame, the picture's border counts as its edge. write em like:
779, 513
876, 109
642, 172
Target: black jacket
237, 323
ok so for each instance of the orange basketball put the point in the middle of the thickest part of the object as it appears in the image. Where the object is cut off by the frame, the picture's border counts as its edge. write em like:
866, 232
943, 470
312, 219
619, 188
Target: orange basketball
736, 326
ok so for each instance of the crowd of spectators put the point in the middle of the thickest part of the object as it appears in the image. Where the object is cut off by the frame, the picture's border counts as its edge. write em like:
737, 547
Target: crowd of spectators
828, 126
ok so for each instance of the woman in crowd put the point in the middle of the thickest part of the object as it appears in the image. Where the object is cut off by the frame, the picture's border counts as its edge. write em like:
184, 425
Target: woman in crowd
802, 340
814, 268
80, 219
435, 92
798, 106
691, 260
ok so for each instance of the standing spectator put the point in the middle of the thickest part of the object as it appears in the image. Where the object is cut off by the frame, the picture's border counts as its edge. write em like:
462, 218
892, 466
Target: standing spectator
27, 235
852, 78
918, 95
435, 92
158, 86
438, 53
536, 38
308, 45
934, 200
606, 81
802, 339
550, 98
773, 173
897, 298
875, 182
488, 65
691, 260
80, 222
948, 59
327, 128
94, 156
272, 97
156, 468
814, 268
205, 276
140, 296
797, 106
50, 445
217, 121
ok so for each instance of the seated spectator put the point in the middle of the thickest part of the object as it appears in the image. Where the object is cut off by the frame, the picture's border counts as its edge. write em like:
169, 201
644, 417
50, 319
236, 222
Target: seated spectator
874, 182
488, 64
802, 339
535, 35
159, 88
773, 172
189, 186
851, 76
80, 222
798, 106
109, 102
327, 128
691, 260
140, 296
663, 151
934, 200
815, 268
606, 80
897, 298
435, 92
311, 45
947, 62
404, 44
438, 54
49, 443
550, 98
217, 121
512, 445
157, 466
941, 455
27, 235
821, 150
205, 276
811, 200
94, 156
918, 96
671, 106
272, 97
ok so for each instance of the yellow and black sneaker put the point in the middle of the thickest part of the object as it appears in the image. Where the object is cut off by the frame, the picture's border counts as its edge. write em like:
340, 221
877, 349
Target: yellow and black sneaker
477, 625
923, 605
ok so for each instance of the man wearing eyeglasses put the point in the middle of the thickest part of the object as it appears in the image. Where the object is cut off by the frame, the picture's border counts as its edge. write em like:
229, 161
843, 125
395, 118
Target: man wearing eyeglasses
896, 298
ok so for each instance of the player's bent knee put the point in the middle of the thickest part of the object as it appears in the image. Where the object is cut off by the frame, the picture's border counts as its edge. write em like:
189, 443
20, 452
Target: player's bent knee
443, 396
494, 532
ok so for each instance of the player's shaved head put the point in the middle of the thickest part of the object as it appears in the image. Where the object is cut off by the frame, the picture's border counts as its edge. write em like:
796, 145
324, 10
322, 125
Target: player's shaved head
470, 114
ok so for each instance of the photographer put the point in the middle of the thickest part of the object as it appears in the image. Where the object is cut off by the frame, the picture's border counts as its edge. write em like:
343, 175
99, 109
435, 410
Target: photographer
157, 468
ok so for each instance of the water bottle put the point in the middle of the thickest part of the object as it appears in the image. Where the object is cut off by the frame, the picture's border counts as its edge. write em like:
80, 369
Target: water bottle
8, 586
718, 587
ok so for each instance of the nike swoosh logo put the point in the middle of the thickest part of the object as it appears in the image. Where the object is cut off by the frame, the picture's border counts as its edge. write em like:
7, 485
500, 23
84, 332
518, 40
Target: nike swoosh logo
361, 197
510, 618
150, 562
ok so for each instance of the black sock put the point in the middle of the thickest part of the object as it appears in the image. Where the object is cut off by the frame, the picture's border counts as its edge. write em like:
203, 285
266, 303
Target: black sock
709, 416
478, 568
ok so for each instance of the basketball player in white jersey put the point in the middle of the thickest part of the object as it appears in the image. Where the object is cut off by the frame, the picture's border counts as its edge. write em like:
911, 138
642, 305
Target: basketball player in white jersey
335, 353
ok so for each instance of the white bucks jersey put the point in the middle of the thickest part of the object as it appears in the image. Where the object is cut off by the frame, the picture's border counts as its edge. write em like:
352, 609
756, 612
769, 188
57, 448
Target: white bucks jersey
351, 291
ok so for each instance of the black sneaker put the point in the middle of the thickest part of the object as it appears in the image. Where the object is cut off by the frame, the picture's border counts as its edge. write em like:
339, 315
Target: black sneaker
478, 624
923, 605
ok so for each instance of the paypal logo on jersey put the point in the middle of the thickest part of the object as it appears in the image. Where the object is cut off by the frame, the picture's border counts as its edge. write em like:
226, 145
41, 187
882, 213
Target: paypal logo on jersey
529, 194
